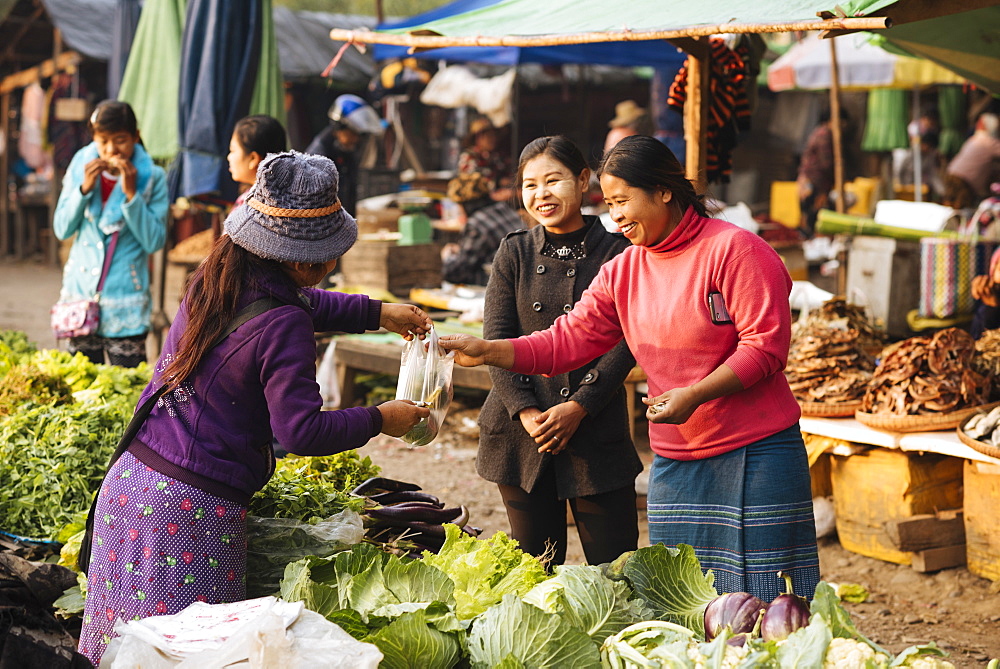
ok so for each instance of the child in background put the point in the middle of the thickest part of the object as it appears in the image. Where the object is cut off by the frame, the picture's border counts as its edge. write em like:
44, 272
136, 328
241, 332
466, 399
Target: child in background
112, 193
253, 138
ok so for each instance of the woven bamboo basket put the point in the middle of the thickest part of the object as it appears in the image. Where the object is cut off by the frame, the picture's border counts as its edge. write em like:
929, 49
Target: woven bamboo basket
920, 422
975, 444
829, 409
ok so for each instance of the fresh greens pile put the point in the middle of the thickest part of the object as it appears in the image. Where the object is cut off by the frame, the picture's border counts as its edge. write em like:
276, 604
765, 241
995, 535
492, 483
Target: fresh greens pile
312, 488
67, 416
52, 461
479, 604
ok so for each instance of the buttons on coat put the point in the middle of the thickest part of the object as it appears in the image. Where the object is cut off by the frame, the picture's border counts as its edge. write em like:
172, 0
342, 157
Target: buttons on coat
590, 377
540, 269
564, 392
571, 271
567, 308
537, 306
524, 378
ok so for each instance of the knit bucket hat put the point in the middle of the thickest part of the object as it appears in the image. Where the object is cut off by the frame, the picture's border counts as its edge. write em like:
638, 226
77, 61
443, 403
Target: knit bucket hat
292, 213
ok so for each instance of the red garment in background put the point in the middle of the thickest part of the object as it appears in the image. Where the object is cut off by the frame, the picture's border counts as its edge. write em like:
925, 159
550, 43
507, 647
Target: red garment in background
729, 106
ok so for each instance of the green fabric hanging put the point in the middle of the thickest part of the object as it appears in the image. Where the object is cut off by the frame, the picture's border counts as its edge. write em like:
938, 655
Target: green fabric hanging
269, 90
951, 108
151, 80
887, 117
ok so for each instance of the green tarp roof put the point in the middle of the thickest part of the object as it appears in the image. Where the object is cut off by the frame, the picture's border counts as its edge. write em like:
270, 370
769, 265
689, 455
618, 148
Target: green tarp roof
531, 17
967, 43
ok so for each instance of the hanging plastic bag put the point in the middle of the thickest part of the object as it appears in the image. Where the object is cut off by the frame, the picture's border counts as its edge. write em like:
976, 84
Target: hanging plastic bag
425, 377
272, 543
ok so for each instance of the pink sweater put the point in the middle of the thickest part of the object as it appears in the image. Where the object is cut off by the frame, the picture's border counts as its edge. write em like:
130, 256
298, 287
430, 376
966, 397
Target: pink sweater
657, 299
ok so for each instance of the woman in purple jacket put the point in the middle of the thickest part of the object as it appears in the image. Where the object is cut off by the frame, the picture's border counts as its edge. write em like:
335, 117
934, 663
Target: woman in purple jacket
169, 525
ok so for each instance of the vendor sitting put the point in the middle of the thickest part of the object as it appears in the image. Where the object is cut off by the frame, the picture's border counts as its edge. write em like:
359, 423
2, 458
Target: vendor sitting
487, 223
986, 289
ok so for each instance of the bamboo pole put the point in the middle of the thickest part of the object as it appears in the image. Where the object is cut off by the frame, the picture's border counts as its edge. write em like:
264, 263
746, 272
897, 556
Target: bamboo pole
435, 41
838, 158
835, 129
5, 203
66, 61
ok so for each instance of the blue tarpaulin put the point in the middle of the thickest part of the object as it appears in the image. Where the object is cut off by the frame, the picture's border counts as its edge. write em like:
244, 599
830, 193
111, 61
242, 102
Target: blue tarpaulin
655, 53
219, 59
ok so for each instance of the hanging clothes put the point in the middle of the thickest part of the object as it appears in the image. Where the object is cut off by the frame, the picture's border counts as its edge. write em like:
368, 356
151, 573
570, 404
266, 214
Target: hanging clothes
65, 137
729, 104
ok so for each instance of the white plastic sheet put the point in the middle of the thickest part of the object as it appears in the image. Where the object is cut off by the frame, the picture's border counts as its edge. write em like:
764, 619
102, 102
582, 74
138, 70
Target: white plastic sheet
258, 633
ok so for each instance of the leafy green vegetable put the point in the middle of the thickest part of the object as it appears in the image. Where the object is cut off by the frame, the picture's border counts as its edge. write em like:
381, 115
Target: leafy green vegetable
670, 582
588, 601
484, 570
517, 631
310, 488
827, 604
412, 641
642, 643
806, 646
52, 461
364, 579
26, 383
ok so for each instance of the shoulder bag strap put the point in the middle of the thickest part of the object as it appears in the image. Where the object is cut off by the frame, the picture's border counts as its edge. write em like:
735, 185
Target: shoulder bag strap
107, 261
253, 309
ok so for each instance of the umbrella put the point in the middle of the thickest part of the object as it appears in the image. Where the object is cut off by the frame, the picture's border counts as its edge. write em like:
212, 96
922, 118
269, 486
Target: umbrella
807, 65
219, 58
122, 31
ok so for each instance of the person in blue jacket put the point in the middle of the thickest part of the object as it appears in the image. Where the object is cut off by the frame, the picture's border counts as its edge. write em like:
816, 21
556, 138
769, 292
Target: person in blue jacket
112, 186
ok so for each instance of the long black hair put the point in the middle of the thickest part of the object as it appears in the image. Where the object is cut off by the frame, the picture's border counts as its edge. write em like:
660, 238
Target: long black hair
646, 163
557, 146
262, 134
213, 299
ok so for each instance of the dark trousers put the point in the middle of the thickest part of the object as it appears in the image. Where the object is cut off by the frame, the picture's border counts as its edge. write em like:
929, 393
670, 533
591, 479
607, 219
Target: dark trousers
607, 522
122, 351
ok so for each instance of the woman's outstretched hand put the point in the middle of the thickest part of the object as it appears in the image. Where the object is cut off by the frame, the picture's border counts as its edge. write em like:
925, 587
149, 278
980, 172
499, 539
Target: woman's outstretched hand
472, 351
399, 416
404, 319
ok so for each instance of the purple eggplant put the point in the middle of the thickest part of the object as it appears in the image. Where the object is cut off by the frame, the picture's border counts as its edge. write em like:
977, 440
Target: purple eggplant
737, 610
406, 496
413, 511
784, 615
380, 484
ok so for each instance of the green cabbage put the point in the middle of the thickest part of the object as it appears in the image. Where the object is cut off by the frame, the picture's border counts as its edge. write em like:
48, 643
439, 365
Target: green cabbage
670, 582
588, 601
514, 633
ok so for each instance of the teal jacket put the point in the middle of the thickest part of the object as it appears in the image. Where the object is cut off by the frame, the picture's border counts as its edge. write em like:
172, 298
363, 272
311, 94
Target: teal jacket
126, 302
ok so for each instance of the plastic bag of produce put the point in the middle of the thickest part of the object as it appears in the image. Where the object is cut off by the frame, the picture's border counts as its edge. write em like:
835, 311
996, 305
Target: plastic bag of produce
256, 633
425, 377
272, 543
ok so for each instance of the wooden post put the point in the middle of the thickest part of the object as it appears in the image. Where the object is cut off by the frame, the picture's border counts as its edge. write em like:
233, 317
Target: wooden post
835, 128
4, 173
696, 117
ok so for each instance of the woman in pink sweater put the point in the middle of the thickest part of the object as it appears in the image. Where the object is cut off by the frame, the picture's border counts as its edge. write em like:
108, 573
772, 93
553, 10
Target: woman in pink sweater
703, 306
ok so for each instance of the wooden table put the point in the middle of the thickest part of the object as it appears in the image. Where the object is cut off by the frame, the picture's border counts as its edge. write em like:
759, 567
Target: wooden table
354, 355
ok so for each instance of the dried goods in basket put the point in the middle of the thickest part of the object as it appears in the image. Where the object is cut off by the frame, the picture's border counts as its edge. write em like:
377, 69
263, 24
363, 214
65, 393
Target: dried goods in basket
931, 422
927, 376
981, 432
828, 360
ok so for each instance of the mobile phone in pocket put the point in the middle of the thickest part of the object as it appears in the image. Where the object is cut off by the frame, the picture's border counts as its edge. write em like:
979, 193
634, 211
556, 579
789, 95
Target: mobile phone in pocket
717, 309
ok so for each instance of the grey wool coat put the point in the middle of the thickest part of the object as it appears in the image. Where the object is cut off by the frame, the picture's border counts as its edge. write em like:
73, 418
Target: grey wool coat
527, 292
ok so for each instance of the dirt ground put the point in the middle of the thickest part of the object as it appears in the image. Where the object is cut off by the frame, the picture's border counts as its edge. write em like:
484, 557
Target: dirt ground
954, 608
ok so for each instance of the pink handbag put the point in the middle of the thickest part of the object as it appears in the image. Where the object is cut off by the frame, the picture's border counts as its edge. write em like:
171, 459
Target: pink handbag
81, 318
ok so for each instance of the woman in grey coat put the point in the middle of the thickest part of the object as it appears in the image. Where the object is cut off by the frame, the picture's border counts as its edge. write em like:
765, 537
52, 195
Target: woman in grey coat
548, 440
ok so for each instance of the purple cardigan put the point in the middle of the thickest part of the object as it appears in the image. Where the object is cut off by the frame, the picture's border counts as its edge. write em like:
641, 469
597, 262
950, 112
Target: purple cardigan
215, 430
